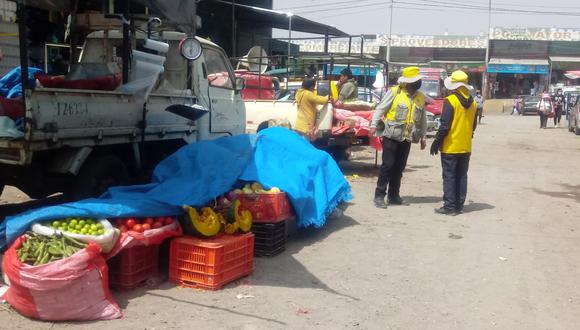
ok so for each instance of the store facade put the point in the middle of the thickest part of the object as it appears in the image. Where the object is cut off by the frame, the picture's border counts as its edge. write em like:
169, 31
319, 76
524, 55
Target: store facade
521, 60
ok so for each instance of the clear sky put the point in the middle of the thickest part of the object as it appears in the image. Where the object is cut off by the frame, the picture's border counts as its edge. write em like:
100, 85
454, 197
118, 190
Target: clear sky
435, 17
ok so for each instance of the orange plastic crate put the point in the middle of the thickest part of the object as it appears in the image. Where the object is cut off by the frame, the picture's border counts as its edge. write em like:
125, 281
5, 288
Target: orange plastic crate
132, 267
267, 208
210, 263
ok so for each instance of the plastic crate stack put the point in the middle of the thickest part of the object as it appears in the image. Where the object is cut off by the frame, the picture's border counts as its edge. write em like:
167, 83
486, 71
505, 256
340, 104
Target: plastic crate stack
270, 213
210, 263
133, 267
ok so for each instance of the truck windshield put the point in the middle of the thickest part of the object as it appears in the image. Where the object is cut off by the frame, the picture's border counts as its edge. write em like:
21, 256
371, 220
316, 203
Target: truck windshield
430, 88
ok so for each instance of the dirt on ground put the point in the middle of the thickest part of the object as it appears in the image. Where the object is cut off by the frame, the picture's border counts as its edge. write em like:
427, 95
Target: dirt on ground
511, 261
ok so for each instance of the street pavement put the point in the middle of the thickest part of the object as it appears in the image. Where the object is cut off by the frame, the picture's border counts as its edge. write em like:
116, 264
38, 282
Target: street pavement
511, 261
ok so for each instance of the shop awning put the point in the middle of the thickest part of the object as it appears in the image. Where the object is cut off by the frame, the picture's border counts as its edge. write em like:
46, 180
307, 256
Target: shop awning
518, 66
468, 66
273, 18
565, 62
572, 74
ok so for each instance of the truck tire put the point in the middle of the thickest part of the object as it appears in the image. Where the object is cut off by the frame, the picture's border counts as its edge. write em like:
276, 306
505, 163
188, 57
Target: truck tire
338, 153
98, 174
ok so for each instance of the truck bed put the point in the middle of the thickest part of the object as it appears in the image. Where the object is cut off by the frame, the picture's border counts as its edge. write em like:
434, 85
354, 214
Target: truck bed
81, 118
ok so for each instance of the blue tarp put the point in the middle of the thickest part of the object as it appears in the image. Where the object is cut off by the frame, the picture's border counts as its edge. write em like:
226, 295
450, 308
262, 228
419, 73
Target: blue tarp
199, 172
11, 84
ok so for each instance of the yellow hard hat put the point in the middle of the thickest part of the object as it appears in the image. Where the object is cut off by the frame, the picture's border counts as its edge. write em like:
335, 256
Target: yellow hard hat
457, 79
410, 75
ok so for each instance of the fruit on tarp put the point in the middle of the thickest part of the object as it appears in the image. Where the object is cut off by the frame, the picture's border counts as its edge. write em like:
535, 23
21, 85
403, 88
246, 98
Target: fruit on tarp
39, 249
206, 224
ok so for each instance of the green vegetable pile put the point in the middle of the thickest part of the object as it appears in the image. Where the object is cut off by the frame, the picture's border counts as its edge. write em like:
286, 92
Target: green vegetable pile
38, 249
83, 226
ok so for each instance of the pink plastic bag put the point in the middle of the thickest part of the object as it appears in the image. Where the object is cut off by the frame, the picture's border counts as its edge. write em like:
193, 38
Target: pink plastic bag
71, 289
150, 237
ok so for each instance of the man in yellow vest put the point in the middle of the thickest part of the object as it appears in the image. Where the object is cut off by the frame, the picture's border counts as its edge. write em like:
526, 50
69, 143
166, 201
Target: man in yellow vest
458, 122
400, 120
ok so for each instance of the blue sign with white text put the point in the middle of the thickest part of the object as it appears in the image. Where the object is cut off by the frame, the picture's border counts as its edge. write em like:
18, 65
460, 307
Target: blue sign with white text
518, 68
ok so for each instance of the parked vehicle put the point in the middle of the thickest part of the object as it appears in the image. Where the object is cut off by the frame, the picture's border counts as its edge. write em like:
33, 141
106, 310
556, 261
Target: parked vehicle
261, 114
81, 141
529, 105
433, 88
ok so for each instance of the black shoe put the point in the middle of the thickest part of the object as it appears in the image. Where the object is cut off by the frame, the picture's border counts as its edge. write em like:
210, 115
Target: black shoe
380, 202
443, 210
397, 201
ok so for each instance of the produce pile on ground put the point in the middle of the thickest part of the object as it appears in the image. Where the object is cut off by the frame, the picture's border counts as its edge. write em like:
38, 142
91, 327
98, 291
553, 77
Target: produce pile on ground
141, 225
39, 249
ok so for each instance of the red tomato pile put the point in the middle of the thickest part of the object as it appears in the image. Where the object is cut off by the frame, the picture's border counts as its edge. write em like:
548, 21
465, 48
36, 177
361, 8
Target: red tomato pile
142, 224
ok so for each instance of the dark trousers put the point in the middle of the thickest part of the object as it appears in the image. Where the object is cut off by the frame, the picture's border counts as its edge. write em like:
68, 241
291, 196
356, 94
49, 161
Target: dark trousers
455, 168
557, 115
395, 155
479, 115
543, 119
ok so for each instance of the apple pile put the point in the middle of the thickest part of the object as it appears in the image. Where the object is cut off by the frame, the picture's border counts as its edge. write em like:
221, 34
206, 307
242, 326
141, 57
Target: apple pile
140, 225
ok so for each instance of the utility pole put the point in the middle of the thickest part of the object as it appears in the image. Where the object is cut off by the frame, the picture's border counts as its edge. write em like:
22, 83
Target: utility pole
484, 87
390, 33
289, 48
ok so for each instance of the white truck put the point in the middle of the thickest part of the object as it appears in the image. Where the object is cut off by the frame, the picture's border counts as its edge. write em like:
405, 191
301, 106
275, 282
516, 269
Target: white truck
81, 142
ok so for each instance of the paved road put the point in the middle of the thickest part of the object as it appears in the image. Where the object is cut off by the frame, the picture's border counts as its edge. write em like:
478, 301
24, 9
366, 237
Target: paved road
512, 261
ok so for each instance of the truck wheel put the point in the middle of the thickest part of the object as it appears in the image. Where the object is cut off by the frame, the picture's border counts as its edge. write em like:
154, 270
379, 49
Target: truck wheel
262, 126
338, 154
98, 174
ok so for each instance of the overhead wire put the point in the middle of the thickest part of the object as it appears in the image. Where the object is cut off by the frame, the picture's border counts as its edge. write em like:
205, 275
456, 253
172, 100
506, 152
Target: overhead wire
420, 4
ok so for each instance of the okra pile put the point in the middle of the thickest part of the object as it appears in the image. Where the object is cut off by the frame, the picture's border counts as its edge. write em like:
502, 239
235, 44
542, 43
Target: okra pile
39, 249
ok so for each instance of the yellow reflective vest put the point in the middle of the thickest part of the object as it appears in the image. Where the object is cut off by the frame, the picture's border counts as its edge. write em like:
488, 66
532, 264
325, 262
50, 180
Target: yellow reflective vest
458, 139
404, 113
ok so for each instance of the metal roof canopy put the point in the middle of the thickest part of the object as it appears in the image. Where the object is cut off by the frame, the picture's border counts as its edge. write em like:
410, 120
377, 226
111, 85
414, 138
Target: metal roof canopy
275, 19
569, 63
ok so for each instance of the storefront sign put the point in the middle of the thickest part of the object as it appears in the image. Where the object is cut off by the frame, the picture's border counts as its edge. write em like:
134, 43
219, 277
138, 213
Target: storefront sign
437, 41
356, 70
535, 34
518, 68
338, 46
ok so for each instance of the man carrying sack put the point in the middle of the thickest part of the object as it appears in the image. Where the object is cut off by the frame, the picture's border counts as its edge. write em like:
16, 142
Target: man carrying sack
400, 119
458, 122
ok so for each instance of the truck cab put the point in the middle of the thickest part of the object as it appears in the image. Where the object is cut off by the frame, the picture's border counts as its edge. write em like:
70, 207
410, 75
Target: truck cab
81, 141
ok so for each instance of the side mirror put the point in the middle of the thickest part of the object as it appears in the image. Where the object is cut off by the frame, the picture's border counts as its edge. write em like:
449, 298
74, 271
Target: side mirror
240, 84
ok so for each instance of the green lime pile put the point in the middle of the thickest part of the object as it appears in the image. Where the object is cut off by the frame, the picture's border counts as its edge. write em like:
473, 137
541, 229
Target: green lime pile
82, 226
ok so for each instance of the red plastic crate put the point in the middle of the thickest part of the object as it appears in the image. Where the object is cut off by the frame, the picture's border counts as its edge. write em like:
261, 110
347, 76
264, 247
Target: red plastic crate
267, 208
132, 267
210, 263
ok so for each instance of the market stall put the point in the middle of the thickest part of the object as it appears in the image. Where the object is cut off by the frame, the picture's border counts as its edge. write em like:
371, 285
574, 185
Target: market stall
210, 191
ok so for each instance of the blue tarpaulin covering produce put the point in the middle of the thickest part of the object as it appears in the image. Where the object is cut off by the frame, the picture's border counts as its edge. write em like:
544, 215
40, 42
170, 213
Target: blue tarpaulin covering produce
199, 172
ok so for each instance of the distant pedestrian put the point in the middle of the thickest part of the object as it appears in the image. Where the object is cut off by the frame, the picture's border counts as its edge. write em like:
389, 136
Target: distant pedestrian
545, 109
458, 123
479, 101
516, 107
402, 120
307, 102
347, 86
558, 107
